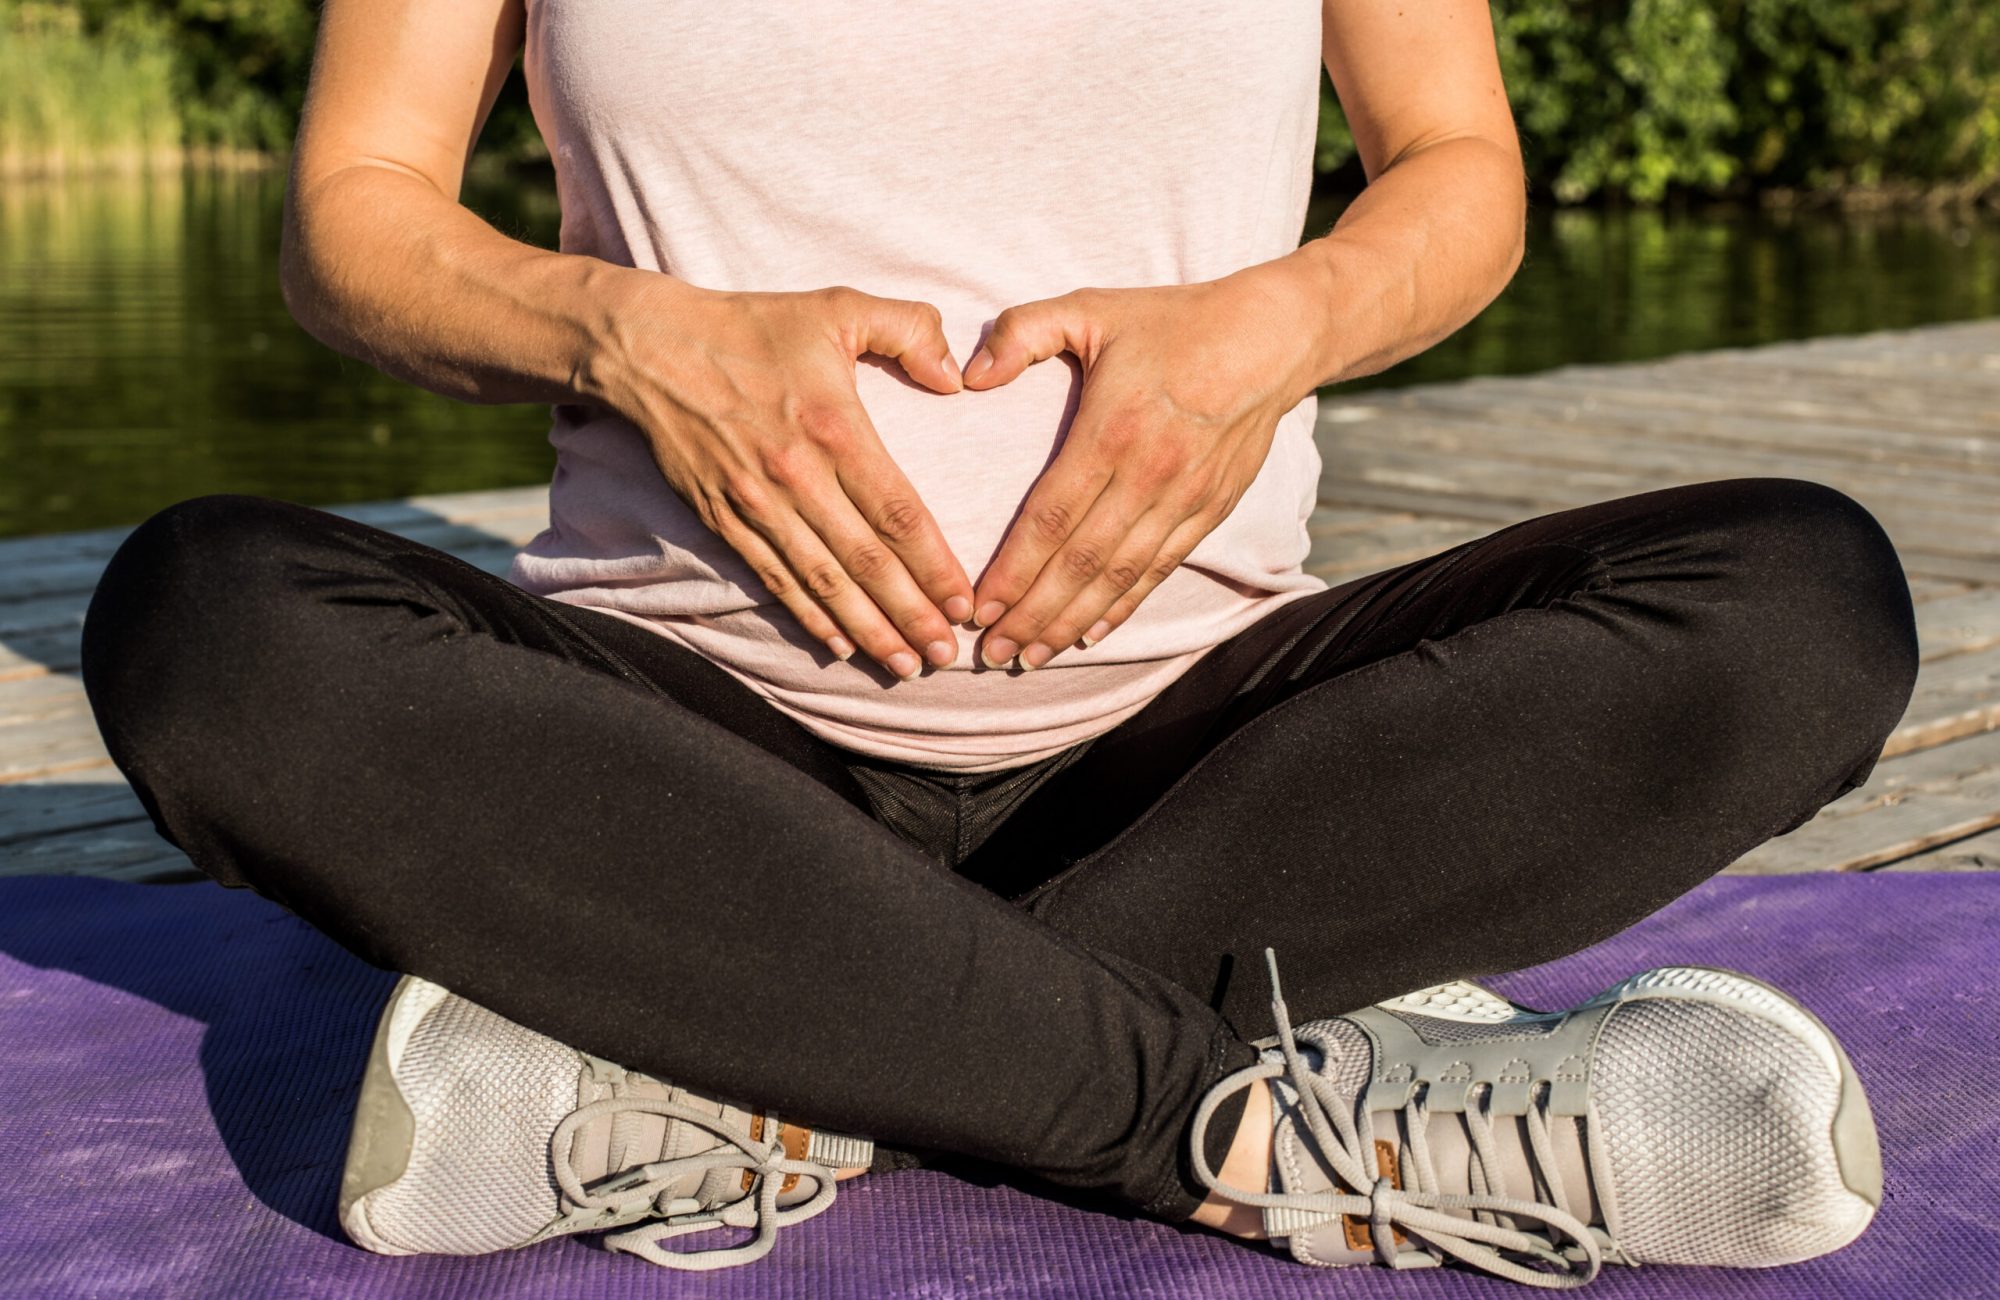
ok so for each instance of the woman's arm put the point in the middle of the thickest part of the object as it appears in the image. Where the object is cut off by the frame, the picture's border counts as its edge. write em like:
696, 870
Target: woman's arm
1184, 384
1439, 229
380, 260
747, 400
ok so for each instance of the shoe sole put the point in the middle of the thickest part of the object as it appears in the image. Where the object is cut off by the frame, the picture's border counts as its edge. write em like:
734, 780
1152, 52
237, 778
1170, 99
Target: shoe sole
385, 1129
1857, 1151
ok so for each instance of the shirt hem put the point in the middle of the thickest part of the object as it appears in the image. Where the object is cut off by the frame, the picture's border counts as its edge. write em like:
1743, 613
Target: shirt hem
859, 741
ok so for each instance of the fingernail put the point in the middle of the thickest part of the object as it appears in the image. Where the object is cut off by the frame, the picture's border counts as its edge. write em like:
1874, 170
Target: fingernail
989, 613
958, 609
997, 651
981, 362
1098, 631
951, 368
905, 665
941, 653
842, 648
1035, 656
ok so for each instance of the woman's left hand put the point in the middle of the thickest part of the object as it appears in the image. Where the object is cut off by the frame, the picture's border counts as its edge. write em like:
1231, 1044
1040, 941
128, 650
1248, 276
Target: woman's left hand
1183, 386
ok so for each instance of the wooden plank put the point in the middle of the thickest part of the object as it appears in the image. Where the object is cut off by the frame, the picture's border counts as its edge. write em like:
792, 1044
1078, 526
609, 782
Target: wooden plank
1957, 568
1326, 521
1388, 545
28, 701
1938, 767
52, 745
125, 851
1845, 400
79, 573
1963, 352
1937, 541
1979, 852
1718, 422
42, 614
1955, 624
1633, 451
43, 806
31, 654
496, 560
1924, 589
457, 507
1922, 812
1967, 353
1954, 697
1496, 511
396, 515
1968, 527
1701, 408
55, 548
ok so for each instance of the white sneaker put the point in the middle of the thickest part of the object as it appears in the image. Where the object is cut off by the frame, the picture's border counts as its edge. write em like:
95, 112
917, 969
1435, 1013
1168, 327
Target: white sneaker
1683, 1116
473, 1134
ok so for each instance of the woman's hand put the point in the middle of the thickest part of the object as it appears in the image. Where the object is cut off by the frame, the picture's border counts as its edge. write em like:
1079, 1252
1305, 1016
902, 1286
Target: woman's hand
1183, 387
749, 402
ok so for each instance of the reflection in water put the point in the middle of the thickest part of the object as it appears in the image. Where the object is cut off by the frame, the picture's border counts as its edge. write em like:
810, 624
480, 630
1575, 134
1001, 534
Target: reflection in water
1603, 287
146, 355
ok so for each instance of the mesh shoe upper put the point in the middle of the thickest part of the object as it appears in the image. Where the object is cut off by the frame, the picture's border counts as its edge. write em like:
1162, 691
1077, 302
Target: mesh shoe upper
474, 1134
485, 1096
1684, 1116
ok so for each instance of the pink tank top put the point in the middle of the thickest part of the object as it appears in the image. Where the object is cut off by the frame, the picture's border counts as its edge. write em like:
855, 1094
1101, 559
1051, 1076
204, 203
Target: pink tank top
970, 156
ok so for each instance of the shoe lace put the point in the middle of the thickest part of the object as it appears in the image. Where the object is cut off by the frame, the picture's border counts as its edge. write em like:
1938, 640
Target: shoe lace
642, 1189
1342, 1129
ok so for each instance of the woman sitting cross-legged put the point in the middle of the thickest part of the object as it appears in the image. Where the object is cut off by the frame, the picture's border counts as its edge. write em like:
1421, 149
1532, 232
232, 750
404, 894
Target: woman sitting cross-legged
874, 763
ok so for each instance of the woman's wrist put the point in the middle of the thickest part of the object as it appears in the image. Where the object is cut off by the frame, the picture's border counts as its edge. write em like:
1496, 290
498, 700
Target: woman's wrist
1300, 295
620, 318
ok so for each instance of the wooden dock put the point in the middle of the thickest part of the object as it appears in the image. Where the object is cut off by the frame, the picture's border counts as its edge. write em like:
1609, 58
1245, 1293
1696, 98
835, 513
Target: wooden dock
1908, 423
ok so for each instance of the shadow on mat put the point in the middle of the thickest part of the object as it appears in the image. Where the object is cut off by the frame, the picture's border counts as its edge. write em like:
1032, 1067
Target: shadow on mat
286, 1042
288, 1015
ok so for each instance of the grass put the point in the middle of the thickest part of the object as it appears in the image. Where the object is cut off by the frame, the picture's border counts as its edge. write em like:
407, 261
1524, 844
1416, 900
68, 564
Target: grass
71, 101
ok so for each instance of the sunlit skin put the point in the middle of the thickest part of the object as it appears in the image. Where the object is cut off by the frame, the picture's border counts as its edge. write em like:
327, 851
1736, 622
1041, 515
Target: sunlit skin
748, 400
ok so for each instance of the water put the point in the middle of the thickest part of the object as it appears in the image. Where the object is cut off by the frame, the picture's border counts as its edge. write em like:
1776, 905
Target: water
146, 354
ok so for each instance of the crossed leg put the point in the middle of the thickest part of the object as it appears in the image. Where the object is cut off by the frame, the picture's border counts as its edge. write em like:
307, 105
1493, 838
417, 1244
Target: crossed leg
1477, 761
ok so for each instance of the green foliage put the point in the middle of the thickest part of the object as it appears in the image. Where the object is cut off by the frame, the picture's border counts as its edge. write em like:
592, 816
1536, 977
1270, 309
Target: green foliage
242, 68
68, 93
222, 73
1634, 99
1871, 91
1641, 98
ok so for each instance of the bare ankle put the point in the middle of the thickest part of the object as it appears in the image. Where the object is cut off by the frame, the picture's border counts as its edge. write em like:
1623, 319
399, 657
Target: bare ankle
1247, 1166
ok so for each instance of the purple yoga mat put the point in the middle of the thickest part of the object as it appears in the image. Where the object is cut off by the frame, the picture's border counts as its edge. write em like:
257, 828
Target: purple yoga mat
179, 1063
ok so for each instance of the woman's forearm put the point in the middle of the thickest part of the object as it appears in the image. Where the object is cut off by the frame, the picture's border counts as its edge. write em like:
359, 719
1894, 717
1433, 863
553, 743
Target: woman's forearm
381, 265
1423, 249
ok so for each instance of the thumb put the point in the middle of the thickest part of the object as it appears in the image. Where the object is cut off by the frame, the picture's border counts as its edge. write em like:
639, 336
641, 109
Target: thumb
912, 333
1027, 333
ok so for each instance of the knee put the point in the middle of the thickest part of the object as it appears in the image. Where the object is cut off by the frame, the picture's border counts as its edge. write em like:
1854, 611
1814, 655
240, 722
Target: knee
1827, 614
178, 600
1829, 573
176, 572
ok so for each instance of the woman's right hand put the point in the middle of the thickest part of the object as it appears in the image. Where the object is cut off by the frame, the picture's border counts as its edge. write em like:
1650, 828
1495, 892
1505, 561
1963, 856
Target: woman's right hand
748, 399
749, 402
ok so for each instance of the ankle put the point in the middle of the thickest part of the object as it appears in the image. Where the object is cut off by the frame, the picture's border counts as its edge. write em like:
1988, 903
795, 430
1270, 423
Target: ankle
1247, 1166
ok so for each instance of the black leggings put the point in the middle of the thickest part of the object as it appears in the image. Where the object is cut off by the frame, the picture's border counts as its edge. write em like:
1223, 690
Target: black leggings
1470, 763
